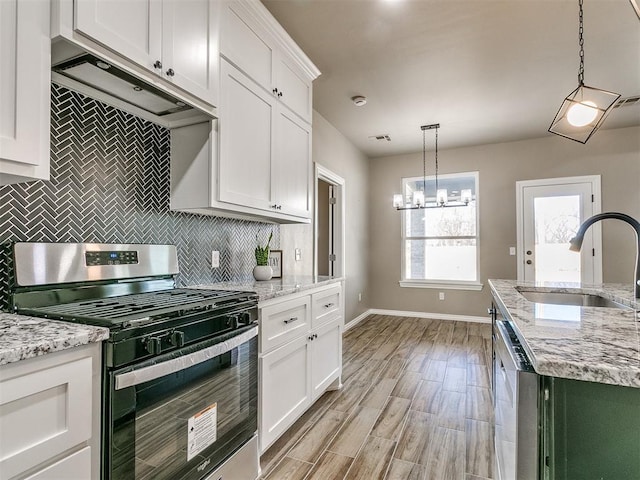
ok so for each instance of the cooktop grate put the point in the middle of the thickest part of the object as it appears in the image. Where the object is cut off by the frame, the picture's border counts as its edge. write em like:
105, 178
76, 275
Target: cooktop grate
128, 308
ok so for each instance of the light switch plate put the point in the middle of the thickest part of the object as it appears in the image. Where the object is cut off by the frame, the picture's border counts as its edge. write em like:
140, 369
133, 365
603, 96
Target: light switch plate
298, 254
215, 259
512, 251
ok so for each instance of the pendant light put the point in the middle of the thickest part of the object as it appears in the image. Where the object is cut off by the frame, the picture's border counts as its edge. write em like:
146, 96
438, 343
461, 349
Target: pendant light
418, 198
583, 110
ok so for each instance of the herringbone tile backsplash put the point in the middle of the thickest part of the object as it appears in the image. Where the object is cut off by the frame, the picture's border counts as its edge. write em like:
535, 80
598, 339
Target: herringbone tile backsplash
110, 184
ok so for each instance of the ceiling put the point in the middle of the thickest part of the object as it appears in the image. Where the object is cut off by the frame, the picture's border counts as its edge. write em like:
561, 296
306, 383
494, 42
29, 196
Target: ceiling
487, 71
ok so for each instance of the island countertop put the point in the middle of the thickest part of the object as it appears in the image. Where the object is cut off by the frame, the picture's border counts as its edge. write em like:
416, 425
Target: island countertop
595, 344
23, 337
277, 287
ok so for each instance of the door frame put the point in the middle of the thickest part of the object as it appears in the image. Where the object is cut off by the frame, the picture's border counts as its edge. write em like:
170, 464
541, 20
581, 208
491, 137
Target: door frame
595, 228
326, 175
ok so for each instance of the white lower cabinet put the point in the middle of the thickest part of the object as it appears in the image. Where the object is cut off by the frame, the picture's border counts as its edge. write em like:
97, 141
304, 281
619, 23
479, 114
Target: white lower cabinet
50, 416
285, 388
300, 358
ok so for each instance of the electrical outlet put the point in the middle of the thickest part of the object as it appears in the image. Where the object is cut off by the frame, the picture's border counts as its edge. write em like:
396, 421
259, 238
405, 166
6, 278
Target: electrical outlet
512, 251
441, 295
360, 297
215, 259
298, 254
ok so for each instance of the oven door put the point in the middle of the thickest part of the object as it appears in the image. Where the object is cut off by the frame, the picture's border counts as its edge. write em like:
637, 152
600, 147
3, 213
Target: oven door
180, 415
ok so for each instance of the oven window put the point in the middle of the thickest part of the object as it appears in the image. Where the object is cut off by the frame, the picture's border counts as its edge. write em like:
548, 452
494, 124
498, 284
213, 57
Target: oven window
184, 424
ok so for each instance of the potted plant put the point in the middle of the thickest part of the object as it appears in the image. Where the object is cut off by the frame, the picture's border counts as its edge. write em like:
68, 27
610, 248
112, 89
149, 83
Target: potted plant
262, 270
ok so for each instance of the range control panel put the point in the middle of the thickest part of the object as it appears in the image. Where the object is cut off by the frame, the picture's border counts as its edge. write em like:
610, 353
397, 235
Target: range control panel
127, 257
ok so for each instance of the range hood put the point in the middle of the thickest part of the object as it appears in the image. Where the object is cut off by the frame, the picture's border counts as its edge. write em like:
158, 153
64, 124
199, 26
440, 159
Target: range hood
111, 80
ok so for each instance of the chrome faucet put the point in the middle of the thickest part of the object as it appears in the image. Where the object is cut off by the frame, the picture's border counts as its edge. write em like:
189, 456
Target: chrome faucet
576, 242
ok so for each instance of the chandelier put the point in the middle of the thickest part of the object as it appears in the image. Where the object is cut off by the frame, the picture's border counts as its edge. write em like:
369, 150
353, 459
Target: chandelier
418, 199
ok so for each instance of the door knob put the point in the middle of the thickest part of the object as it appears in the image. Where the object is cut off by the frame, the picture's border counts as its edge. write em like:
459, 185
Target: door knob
157, 64
528, 252
529, 262
170, 72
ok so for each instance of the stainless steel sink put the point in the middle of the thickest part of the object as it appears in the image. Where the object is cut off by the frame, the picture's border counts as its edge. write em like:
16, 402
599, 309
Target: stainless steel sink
563, 298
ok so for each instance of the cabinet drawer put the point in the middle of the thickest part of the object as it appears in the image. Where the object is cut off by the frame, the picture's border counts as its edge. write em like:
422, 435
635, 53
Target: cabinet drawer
43, 413
283, 322
327, 305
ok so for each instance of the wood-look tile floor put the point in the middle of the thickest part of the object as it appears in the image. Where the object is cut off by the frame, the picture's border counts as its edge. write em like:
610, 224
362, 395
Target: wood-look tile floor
415, 405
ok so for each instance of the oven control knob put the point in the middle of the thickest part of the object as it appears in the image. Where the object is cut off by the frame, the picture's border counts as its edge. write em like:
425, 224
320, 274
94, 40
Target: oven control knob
177, 339
232, 322
245, 318
153, 345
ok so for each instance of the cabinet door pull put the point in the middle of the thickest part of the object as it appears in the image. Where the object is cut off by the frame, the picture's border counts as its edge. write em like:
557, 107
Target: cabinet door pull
279, 94
329, 305
289, 320
315, 335
275, 91
157, 64
170, 72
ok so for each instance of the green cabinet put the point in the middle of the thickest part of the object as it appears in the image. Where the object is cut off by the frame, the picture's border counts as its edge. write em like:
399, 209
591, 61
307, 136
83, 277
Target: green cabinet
591, 431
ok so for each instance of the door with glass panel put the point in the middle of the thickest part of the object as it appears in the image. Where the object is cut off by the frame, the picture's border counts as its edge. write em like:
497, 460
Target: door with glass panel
550, 212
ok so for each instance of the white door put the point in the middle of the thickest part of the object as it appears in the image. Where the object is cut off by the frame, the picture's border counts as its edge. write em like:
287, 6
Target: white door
25, 90
245, 140
292, 164
549, 215
326, 356
129, 28
190, 46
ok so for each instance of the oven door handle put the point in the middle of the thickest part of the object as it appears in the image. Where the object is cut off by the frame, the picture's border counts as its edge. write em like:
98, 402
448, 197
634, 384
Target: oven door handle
146, 374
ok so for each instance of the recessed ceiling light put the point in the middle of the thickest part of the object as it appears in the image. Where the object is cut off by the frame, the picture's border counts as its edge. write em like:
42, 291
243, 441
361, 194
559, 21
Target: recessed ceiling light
359, 100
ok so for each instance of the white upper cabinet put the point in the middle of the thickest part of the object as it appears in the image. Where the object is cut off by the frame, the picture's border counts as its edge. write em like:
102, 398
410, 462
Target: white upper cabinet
25, 90
132, 29
291, 168
176, 41
253, 41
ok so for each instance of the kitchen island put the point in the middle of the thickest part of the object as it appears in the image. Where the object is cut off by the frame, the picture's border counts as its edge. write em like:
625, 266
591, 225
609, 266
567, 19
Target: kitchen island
595, 344
587, 359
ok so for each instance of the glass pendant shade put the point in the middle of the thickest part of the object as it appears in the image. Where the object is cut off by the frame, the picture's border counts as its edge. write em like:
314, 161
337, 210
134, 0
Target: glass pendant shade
442, 196
465, 196
583, 112
418, 198
398, 201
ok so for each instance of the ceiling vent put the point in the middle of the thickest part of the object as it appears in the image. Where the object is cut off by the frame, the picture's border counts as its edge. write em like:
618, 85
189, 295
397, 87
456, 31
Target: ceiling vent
381, 137
628, 102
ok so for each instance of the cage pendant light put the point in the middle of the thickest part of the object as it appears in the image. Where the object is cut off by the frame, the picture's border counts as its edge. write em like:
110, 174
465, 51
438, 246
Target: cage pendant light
585, 109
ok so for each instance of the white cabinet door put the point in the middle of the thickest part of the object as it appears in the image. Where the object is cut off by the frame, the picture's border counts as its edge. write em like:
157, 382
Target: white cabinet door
294, 88
246, 45
292, 164
326, 356
25, 86
190, 46
76, 466
246, 147
285, 388
129, 28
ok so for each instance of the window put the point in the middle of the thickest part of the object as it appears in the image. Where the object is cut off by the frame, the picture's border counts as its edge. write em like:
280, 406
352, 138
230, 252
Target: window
440, 245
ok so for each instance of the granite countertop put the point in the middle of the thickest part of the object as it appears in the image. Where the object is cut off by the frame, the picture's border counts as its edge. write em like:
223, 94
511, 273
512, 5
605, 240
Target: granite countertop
277, 287
23, 337
596, 344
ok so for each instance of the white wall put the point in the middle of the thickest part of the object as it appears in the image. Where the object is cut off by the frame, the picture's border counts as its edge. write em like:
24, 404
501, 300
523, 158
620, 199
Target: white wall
613, 154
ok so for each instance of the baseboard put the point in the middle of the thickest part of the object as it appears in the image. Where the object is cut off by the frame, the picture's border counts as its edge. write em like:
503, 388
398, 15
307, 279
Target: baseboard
356, 320
403, 313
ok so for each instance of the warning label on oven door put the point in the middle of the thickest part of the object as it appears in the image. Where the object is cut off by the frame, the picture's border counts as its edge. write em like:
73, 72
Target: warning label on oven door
202, 430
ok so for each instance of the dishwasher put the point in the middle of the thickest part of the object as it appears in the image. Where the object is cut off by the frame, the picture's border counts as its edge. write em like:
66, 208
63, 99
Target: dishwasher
516, 392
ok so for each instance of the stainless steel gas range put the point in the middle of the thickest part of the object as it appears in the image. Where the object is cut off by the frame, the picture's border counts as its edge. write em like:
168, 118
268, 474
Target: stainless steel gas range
180, 364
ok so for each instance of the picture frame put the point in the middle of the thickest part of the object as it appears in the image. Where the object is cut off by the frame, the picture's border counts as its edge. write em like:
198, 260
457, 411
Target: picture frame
275, 262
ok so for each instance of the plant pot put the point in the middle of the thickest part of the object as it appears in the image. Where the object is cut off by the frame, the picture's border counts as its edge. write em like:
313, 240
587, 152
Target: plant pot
262, 272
